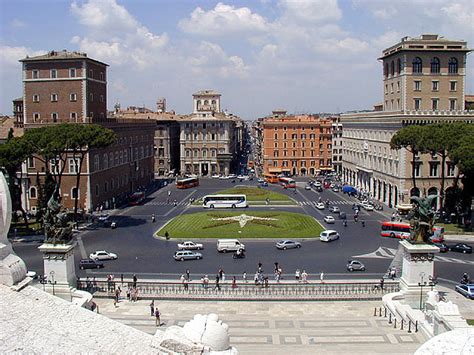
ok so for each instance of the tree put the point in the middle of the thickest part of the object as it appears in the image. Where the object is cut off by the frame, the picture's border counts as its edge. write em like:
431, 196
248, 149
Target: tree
410, 138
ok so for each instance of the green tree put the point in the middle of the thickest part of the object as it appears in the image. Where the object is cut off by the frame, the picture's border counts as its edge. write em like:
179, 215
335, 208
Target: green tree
410, 138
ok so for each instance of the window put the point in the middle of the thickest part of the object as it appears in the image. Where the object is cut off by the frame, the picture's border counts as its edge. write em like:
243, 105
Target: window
96, 162
276, 135
385, 72
392, 68
36, 98
417, 65
101, 98
91, 97
72, 72
74, 193
73, 165
386, 89
91, 114
399, 66
54, 117
434, 104
54, 73
452, 104
35, 74
391, 88
434, 169
276, 145
54, 97
435, 65
452, 66
196, 153
91, 73
33, 192
106, 185
450, 170
31, 162
417, 104
102, 76
398, 86
417, 170
36, 116
275, 153
452, 85
55, 165
73, 116
435, 85
417, 85
72, 97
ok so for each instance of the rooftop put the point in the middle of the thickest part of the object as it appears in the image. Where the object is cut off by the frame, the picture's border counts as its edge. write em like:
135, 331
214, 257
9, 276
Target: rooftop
59, 55
206, 92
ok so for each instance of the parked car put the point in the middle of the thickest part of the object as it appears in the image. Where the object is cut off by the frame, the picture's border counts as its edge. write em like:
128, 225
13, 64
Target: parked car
260, 180
328, 235
215, 176
335, 189
329, 220
367, 207
32, 274
443, 248
103, 217
466, 290
319, 189
320, 206
102, 255
188, 245
90, 264
461, 248
317, 184
334, 209
182, 255
288, 244
355, 265
307, 187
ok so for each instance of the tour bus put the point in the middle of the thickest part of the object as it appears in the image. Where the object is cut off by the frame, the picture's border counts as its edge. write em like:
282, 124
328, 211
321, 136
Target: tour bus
271, 178
187, 183
395, 230
136, 198
224, 201
287, 182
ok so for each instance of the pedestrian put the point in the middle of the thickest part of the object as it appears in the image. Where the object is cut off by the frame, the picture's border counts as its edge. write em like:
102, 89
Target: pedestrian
392, 273
297, 275
157, 316
381, 283
129, 294
217, 286
152, 307
175, 203
223, 276
134, 281
260, 269
255, 278
363, 222
169, 193
135, 294
304, 276
205, 281
153, 218
276, 267
188, 276
121, 279
266, 281
234, 282
220, 272
117, 296
244, 277
321, 277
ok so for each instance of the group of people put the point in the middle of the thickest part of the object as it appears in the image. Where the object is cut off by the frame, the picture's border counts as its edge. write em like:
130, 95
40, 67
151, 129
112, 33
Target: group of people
155, 312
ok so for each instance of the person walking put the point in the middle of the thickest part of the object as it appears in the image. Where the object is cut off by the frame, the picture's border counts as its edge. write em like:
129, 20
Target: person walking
363, 222
169, 193
304, 277
234, 282
153, 219
158, 317
321, 277
188, 275
381, 283
152, 307
217, 286
244, 277
297, 275
135, 281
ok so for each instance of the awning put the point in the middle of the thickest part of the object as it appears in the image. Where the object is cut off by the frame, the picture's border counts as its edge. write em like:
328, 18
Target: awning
285, 169
274, 170
326, 169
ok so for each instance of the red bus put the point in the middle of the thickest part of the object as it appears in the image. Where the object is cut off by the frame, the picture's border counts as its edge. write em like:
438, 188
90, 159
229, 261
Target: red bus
187, 183
395, 230
271, 178
287, 183
136, 198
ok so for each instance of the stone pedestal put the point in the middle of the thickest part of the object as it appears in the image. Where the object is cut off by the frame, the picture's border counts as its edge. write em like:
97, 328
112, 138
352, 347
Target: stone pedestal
59, 268
418, 268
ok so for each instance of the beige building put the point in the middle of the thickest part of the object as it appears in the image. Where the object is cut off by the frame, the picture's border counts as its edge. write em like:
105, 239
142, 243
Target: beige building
423, 82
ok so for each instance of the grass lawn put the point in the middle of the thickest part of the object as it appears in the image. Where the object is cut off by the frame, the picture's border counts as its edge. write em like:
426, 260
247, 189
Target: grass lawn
470, 321
280, 225
256, 195
454, 229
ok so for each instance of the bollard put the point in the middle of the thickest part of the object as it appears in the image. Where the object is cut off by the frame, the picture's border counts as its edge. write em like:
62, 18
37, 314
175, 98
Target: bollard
375, 311
390, 318
385, 313
401, 328
416, 326
409, 326
395, 323
380, 311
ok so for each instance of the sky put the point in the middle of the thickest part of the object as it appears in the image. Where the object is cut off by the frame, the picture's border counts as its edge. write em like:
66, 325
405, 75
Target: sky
305, 56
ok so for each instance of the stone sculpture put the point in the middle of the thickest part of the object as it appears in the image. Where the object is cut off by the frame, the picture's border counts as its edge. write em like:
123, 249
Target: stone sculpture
422, 218
57, 229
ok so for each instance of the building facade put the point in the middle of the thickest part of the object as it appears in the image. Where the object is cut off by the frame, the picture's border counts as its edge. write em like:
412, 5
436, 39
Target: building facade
296, 145
423, 83
337, 148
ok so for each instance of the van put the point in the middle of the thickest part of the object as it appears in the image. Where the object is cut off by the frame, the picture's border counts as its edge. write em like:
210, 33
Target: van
225, 245
328, 236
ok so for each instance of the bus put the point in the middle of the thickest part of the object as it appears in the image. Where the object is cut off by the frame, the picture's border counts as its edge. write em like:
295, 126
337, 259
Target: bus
395, 230
187, 183
271, 178
224, 201
287, 182
136, 198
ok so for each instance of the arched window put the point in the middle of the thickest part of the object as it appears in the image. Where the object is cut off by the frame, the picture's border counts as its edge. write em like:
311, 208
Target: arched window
417, 65
453, 65
33, 193
399, 66
386, 70
435, 65
392, 68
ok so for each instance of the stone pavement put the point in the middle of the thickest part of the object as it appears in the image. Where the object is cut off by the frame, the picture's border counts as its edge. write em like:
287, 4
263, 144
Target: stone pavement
338, 327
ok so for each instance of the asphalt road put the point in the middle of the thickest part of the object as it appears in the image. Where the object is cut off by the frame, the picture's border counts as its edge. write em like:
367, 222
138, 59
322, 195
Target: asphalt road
140, 253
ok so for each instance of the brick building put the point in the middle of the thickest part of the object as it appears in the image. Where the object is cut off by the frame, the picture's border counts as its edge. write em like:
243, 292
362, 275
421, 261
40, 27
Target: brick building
296, 144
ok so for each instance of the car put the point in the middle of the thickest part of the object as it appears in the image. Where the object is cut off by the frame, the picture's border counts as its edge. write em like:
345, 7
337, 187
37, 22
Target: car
329, 220
90, 264
367, 207
265, 184
215, 176
32, 274
466, 290
188, 245
102, 255
335, 189
260, 180
320, 206
328, 235
103, 217
334, 209
307, 187
461, 248
355, 265
288, 244
182, 255
443, 248
319, 189
317, 184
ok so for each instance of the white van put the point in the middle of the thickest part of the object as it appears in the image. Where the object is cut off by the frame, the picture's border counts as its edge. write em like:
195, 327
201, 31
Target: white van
225, 245
328, 236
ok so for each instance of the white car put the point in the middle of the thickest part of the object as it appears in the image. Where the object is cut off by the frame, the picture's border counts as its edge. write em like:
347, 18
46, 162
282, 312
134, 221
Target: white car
188, 245
307, 187
215, 176
320, 206
329, 220
367, 207
317, 184
260, 180
102, 255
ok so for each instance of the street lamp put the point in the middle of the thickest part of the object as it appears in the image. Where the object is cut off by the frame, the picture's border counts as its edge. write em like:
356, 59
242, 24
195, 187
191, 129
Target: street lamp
422, 284
433, 282
51, 281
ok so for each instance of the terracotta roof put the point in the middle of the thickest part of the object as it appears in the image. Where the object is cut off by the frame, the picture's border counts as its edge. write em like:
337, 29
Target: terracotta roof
62, 55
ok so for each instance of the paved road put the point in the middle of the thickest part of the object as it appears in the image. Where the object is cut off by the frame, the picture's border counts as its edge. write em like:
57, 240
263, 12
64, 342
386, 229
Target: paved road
139, 252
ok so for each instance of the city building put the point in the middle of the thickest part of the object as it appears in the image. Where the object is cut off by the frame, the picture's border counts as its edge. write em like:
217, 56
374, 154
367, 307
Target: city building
336, 144
69, 87
296, 144
423, 83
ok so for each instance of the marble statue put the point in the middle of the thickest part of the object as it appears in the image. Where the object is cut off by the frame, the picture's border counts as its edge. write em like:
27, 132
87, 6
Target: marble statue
57, 229
422, 219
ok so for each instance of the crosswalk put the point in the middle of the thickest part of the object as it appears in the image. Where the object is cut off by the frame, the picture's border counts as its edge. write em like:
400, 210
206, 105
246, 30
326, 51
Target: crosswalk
389, 253
313, 203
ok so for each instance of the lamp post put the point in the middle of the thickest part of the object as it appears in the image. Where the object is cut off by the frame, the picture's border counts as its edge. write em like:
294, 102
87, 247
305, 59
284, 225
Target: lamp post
52, 281
422, 284
432, 282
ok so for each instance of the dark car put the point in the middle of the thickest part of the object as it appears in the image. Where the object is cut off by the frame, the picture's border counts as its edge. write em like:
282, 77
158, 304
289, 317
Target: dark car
443, 248
319, 189
90, 264
461, 248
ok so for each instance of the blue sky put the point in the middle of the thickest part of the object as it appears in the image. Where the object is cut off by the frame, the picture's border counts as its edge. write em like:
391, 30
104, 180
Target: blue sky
301, 55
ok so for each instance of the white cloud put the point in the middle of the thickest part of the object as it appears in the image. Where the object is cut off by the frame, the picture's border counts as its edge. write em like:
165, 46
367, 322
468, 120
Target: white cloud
9, 56
223, 20
17, 23
386, 40
314, 11
460, 14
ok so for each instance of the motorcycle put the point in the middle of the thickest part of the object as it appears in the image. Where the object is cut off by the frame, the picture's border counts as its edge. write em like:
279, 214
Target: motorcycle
240, 255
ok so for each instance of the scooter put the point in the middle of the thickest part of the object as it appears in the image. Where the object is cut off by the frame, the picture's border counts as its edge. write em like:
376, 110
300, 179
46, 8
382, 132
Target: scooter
238, 256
